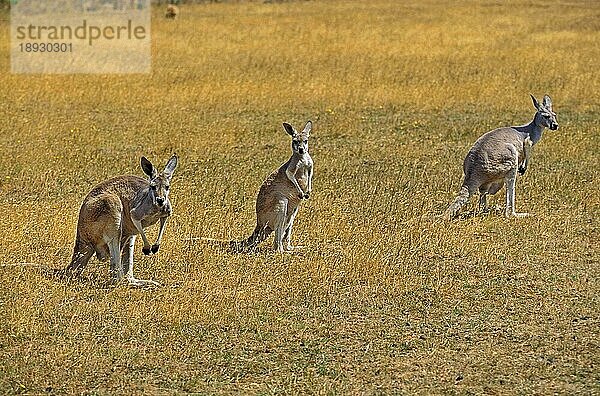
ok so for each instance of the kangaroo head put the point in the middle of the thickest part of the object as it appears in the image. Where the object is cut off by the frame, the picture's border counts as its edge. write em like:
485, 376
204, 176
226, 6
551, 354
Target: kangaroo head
299, 139
159, 182
545, 117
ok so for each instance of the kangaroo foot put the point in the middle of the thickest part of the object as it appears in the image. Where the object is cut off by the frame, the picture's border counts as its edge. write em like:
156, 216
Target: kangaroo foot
133, 282
290, 248
517, 215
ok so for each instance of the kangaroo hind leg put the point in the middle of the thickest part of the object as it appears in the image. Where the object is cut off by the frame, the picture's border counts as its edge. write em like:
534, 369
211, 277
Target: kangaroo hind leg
489, 189
127, 260
511, 179
279, 227
288, 232
116, 266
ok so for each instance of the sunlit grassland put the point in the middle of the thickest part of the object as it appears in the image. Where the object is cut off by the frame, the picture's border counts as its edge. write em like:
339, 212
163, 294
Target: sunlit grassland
384, 297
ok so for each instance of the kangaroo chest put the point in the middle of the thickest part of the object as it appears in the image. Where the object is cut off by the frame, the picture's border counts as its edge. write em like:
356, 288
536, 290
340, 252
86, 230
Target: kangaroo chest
151, 219
303, 172
148, 220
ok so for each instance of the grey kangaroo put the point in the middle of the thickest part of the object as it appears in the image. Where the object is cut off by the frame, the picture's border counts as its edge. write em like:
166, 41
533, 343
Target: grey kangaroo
114, 213
498, 155
280, 195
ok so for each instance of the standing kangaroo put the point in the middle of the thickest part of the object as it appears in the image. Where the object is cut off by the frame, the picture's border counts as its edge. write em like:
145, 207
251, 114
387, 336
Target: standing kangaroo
112, 215
498, 155
280, 195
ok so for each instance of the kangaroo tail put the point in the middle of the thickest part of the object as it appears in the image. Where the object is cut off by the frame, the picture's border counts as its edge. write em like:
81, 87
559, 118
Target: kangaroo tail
259, 235
35, 265
223, 243
244, 245
81, 255
459, 201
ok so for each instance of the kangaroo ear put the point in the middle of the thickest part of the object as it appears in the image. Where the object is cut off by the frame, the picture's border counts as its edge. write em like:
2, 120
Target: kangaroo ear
147, 167
170, 167
547, 102
289, 129
535, 102
307, 129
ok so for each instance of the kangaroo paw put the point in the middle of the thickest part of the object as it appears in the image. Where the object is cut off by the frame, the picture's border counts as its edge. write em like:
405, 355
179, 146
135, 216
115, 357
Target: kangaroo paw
522, 170
155, 248
146, 250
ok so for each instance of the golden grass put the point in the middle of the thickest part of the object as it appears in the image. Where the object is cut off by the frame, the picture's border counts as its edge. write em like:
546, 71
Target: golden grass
384, 298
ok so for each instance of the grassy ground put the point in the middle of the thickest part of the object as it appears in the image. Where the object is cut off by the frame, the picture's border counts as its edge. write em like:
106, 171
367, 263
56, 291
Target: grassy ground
385, 298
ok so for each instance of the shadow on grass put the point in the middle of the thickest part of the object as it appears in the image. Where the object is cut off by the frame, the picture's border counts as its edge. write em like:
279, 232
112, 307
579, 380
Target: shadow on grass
493, 211
237, 248
58, 275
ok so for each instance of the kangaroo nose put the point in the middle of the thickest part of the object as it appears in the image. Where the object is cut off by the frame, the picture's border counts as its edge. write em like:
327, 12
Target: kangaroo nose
160, 201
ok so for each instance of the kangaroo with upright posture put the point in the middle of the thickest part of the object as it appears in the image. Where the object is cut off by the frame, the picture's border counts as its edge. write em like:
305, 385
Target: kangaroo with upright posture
114, 213
280, 195
498, 155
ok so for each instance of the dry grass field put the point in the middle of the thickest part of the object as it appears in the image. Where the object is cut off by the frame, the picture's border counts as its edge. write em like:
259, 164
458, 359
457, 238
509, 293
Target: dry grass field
385, 298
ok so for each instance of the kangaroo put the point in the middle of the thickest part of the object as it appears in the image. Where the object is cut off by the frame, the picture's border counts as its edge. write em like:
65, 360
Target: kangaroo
280, 195
172, 11
112, 215
497, 157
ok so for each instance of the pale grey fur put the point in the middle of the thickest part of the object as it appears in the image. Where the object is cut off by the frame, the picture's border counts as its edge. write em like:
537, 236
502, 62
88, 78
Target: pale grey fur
497, 157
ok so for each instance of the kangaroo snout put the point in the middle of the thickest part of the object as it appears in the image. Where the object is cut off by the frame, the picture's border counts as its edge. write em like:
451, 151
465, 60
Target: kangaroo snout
160, 201
554, 127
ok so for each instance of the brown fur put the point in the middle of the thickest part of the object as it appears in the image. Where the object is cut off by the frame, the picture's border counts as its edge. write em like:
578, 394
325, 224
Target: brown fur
107, 221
